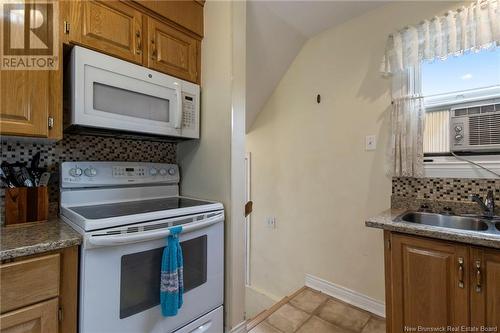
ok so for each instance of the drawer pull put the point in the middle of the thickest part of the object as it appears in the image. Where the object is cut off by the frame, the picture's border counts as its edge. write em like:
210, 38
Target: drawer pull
460, 272
479, 276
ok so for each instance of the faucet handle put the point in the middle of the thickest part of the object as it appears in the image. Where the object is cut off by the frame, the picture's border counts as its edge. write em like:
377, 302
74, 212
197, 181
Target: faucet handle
490, 199
474, 196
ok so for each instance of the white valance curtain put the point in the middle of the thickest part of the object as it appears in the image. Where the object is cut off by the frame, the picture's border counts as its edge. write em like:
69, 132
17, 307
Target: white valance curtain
470, 28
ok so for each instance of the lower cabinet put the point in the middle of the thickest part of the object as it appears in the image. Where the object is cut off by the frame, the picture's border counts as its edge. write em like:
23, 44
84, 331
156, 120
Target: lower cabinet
485, 287
38, 318
433, 284
39, 293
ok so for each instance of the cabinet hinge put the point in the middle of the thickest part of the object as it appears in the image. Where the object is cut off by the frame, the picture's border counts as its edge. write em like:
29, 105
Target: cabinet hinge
389, 244
66, 27
51, 122
60, 314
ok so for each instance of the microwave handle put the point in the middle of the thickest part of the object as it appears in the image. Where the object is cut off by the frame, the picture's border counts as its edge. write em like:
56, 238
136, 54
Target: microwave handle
178, 109
119, 239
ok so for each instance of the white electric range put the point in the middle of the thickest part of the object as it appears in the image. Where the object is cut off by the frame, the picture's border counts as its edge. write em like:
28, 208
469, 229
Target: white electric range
123, 211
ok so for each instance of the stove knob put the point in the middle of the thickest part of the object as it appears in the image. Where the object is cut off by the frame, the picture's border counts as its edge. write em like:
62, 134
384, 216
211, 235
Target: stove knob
153, 172
90, 172
163, 172
171, 171
75, 172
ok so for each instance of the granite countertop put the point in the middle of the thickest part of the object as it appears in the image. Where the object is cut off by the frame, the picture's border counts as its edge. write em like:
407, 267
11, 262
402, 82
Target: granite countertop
386, 221
27, 240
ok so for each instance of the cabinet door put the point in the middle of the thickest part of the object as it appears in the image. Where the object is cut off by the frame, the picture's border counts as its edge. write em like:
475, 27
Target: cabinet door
485, 287
173, 52
430, 285
25, 99
111, 27
38, 318
188, 14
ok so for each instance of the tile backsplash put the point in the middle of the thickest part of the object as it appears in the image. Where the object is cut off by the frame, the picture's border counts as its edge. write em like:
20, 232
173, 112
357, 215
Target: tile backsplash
76, 147
442, 195
444, 189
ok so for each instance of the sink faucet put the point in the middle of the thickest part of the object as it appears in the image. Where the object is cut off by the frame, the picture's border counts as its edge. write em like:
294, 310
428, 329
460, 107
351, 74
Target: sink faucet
488, 206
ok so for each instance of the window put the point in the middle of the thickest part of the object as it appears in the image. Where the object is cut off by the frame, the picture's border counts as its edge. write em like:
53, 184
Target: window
466, 81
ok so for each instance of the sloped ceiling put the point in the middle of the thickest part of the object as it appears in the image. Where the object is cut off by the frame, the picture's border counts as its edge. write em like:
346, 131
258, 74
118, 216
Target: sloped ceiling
277, 30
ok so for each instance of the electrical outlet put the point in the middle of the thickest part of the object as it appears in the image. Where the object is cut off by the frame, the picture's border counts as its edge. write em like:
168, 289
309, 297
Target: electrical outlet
370, 142
271, 222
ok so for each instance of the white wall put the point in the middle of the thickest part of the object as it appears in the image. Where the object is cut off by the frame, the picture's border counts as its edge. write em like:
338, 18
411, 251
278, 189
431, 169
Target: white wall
309, 166
272, 44
206, 164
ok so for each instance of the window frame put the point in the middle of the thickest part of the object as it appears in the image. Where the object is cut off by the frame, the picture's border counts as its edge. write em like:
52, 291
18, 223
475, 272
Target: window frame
444, 165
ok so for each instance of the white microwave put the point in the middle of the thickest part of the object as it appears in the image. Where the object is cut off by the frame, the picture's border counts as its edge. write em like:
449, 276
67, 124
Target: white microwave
111, 94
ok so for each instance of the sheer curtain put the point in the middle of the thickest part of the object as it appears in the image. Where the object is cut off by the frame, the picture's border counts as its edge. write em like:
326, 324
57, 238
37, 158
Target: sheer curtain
467, 29
407, 124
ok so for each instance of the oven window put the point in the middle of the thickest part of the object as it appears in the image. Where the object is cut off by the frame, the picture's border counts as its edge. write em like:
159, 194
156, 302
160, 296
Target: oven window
140, 275
130, 103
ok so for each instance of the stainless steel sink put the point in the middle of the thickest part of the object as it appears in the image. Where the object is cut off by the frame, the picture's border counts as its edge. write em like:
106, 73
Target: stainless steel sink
447, 221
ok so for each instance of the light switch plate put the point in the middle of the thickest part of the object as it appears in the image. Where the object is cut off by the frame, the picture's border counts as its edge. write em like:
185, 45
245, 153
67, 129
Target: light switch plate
371, 142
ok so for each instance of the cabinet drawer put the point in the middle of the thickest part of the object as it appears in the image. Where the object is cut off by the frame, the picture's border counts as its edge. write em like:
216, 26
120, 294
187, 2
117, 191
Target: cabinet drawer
38, 318
29, 281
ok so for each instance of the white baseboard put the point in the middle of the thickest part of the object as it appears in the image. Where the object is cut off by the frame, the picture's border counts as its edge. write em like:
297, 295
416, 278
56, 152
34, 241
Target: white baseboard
240, 328
346, 295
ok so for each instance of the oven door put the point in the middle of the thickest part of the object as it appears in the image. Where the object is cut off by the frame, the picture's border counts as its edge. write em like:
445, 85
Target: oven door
120, 282
114, 94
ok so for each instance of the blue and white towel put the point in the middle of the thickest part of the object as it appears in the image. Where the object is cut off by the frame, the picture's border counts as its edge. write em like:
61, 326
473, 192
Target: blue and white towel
172, 280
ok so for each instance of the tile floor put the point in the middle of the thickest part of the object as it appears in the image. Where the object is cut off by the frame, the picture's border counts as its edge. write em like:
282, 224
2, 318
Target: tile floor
311, 311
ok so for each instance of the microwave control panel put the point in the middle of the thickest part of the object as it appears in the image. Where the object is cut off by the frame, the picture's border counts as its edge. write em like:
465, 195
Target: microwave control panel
188, 111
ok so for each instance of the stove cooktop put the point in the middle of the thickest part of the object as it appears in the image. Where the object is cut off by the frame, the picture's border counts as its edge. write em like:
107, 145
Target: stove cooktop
95, 212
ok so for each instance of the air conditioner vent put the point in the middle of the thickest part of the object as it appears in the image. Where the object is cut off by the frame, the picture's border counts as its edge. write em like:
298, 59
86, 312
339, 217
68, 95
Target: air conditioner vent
484, 129
475, 110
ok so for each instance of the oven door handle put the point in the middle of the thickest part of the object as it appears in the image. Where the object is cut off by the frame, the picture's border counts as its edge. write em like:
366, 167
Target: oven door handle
112, 240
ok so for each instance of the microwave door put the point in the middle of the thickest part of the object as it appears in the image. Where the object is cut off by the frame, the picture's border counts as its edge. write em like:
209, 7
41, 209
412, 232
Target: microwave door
117, 101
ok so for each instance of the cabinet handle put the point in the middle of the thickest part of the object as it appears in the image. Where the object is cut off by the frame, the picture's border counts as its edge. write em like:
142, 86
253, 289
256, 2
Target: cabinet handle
460, 272
139, 44
153, 53
479, 276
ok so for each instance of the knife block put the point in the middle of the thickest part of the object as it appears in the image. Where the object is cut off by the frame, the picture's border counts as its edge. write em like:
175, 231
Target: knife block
26, 205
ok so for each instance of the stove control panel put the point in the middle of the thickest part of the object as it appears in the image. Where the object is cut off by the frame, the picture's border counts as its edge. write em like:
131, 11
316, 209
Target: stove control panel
129, 171
100, 174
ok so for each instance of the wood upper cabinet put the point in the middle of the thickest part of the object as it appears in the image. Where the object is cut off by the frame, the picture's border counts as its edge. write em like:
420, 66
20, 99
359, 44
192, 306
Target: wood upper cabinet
172, 52
38, 318
31, 101
429, 283
186, 13
112, 27
24, 102
485, 287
